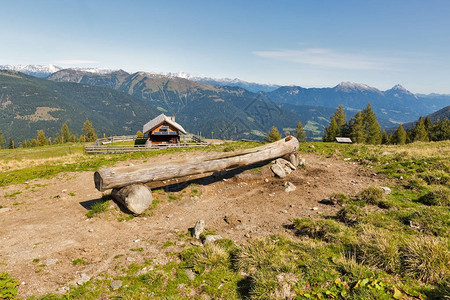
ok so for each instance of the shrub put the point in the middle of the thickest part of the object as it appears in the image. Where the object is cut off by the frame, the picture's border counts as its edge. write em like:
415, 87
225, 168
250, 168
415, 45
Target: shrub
338, 198
439, 195
427, 258
371, 195
97, 208
379, 248
416, 183
8, 286
429, 220
436, 177
350, 215
326, 230
211, 257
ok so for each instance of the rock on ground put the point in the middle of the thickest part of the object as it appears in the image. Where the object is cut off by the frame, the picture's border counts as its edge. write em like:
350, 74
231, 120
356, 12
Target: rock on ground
290, 187
199, 228
211, 239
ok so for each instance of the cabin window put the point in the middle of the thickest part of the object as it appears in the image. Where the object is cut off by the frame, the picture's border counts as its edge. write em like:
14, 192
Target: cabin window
164, 128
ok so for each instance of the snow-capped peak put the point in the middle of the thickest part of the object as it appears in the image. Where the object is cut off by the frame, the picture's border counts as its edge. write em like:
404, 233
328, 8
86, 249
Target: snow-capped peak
351, 86
399, 87
35, 70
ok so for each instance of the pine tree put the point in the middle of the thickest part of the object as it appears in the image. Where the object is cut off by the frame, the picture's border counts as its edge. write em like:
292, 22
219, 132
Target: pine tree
41, 139
357, 133
371, 126
341, 119
139, 134
65, 133
300, 132
2, 140
419, 132
89, 132
385, 139
331, 132
273, 135
399, 136
11, 144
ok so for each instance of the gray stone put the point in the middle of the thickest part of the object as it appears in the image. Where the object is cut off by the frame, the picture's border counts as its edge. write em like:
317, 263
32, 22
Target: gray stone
211, 239
83, 279
386, 190
283, 211
190, 275
278, 170
4, 209
116, 284
199, 228
293, 158
51, 261
302, 162
290, 187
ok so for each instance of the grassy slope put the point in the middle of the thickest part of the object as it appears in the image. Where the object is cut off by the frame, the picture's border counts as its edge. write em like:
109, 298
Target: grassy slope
377, 247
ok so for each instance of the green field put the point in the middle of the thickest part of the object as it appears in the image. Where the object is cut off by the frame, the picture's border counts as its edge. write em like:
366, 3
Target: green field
378, 245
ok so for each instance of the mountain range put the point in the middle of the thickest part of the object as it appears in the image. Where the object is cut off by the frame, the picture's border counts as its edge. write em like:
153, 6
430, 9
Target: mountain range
224, 107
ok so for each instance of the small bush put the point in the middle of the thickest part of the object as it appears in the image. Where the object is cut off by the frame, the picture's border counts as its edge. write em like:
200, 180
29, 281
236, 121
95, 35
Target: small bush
97, 208
8, 286
437, 196
430, 220
379, 248
416, 184
427, 259
326, 230
210, 258
436, 177
79, 261
339, 198
371, 195
350, 215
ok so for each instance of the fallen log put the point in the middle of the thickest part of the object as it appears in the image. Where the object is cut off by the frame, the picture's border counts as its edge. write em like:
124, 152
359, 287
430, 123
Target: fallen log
118, 177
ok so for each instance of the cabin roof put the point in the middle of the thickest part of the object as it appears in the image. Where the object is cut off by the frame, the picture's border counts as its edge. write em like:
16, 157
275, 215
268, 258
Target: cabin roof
343, 140
152, 124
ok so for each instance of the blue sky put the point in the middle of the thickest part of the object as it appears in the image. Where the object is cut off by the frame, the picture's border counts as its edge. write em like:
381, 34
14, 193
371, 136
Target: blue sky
306, 43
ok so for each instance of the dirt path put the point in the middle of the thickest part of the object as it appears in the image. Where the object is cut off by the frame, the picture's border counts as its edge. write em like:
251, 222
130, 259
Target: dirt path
46, 228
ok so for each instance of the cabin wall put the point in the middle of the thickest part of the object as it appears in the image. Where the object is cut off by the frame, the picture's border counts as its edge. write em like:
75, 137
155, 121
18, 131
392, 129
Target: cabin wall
164, 139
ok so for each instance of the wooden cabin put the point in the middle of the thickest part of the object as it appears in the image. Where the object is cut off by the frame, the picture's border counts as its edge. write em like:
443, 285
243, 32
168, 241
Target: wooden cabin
163, 130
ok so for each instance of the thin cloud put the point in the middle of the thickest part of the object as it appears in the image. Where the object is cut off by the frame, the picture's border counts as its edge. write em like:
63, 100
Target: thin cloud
322, 57
75, 62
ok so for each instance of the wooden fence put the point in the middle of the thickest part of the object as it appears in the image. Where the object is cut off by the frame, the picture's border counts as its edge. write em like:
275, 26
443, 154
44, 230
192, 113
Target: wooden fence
95, 149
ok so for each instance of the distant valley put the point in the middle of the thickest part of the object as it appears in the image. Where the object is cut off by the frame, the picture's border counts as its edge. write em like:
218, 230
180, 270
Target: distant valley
117, 102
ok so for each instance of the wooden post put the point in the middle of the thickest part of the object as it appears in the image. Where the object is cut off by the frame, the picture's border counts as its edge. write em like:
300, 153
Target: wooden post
122, 176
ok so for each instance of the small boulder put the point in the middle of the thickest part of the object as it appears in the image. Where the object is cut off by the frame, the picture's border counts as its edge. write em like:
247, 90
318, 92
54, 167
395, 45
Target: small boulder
293, 158
290, 187
116, 284
386, 190
199, 228
84, 278
50, 261
278, 170
4, 209
302, 162
211, 239
285, 164
190, 274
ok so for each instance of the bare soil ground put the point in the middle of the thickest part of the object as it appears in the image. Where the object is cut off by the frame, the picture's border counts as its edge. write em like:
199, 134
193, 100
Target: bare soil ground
46, 228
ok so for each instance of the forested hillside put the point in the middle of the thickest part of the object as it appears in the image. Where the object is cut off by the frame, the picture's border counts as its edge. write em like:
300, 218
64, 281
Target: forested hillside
29, 104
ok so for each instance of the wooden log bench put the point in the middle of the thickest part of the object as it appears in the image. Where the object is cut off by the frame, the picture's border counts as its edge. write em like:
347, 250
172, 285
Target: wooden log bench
128, 182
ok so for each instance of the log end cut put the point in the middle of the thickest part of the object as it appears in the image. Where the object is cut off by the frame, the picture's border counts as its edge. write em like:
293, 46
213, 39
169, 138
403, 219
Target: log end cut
98, 182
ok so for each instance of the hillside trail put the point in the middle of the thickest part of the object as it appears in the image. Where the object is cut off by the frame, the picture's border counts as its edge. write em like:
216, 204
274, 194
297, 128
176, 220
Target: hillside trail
47, 229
